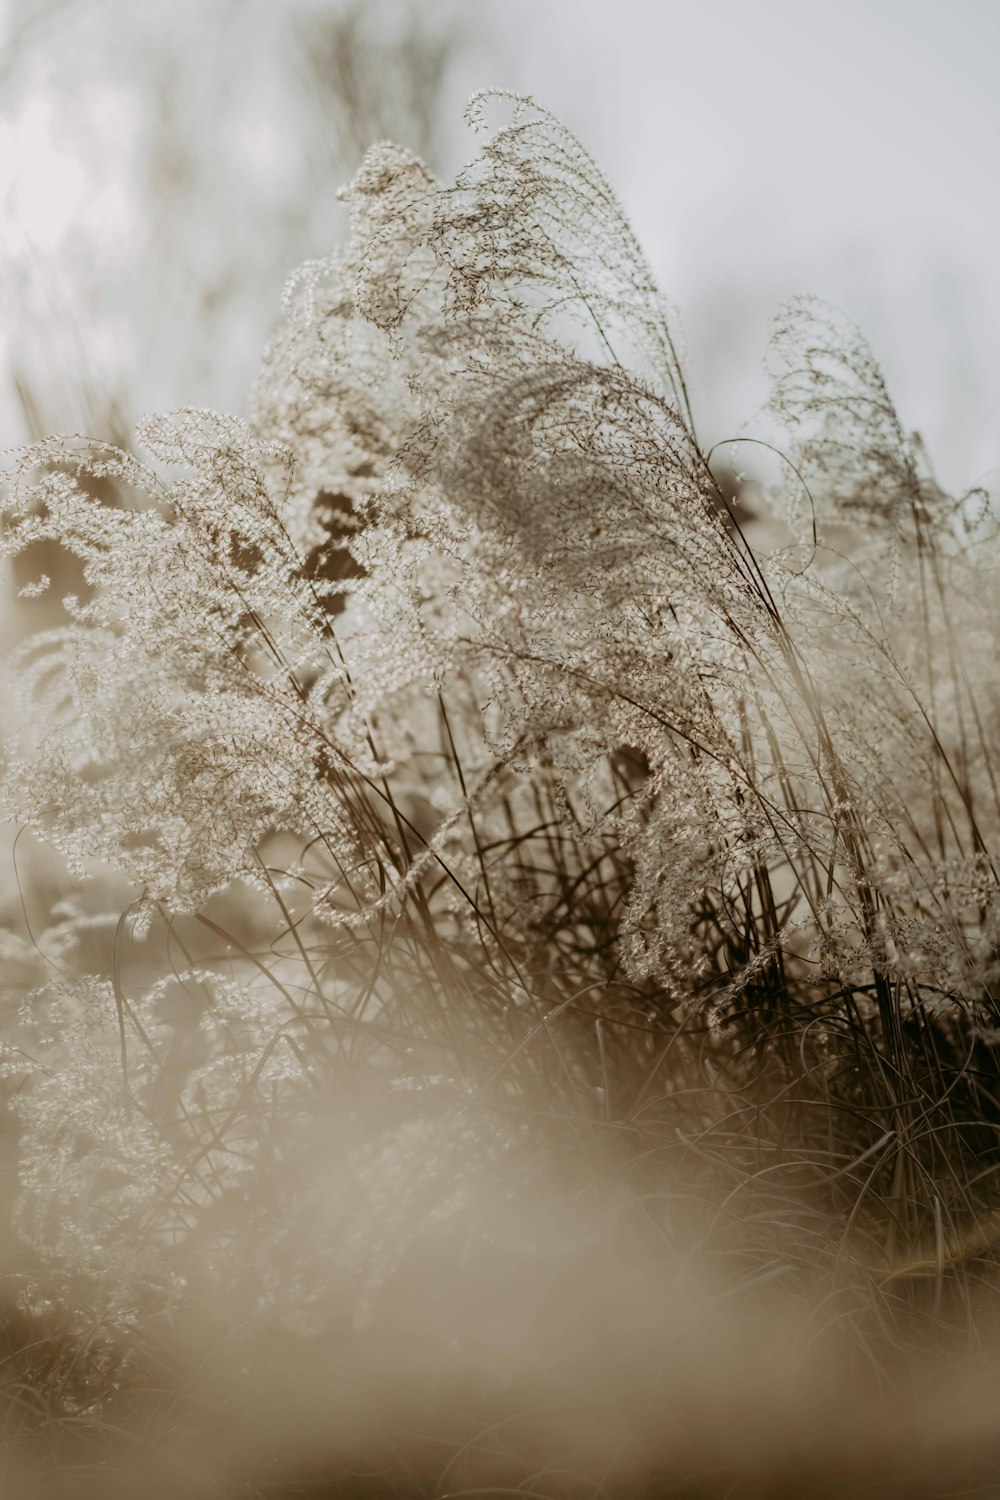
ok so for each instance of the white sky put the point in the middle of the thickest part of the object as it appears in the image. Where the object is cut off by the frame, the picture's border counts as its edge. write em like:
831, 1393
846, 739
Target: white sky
849, 148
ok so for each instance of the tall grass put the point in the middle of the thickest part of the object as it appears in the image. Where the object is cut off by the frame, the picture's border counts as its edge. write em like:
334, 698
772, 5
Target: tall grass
551, 1047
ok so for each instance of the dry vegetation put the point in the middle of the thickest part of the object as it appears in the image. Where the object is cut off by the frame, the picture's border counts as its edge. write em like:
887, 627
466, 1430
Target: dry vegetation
549, 1042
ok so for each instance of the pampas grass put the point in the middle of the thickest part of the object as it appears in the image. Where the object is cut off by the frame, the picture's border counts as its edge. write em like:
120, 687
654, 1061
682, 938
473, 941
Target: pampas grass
549, 1043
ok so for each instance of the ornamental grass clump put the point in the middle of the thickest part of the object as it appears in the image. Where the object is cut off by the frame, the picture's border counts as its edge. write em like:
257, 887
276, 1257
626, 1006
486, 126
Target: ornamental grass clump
535, 882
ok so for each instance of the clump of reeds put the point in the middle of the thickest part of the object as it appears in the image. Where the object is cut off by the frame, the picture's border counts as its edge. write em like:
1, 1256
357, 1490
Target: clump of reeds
556, 1014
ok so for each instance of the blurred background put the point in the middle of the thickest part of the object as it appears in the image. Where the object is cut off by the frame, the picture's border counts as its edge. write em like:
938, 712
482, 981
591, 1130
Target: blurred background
163, 169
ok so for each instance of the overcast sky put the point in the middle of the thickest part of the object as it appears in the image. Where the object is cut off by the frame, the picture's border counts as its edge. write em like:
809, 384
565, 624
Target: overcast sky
849, 148
762, 147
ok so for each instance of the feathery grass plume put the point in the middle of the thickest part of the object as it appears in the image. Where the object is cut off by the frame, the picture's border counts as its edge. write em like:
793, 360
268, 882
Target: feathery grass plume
529, 873
805, 836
